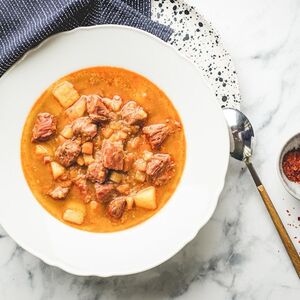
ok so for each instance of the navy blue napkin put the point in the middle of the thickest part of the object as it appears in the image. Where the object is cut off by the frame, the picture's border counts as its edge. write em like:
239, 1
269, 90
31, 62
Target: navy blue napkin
25, 23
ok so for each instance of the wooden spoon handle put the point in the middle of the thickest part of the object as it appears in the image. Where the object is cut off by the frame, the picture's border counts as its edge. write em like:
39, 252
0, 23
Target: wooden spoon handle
288, 244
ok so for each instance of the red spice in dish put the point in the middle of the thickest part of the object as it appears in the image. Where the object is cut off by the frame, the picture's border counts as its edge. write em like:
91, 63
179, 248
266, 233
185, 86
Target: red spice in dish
291, 165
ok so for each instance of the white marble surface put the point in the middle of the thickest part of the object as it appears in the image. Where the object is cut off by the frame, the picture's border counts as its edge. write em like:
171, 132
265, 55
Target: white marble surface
238, 254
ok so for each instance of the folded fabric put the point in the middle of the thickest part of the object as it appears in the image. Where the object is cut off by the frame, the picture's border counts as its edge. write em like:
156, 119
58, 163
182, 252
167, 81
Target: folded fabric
25, 23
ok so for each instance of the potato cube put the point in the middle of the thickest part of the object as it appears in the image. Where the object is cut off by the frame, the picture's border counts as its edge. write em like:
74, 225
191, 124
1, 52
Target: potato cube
114, 125
123, 188
80, 161
147, 155
114, 104
77, 110
87, 148
57, 169
140, 176
140, 165
116, 177
73, 216
107, 132
88, 159
146, 198
141, 114
41, 150
129, 201
122, 135
133, 143
67, 132
65, 94
118, 136
94, 204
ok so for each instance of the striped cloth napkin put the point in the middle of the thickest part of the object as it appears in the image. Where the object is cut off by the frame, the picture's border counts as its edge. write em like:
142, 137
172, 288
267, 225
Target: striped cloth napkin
25, 23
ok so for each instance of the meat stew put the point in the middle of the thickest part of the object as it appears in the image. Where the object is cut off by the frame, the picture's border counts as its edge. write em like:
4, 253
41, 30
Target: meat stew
103, 149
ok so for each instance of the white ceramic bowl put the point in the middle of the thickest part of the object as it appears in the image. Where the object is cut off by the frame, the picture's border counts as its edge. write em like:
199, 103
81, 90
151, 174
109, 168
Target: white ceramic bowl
156, 240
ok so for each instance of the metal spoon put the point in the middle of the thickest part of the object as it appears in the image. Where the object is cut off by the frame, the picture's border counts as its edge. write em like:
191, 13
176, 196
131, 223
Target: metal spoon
242, 137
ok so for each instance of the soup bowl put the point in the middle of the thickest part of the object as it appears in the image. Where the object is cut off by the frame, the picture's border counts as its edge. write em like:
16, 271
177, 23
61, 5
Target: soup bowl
154, 241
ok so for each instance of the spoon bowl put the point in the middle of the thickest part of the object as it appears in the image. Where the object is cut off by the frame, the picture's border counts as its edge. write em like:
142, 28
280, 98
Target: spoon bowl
242, 134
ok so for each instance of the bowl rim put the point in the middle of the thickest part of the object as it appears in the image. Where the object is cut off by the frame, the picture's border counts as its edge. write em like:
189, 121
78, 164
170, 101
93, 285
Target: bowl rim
217, 192
280, 172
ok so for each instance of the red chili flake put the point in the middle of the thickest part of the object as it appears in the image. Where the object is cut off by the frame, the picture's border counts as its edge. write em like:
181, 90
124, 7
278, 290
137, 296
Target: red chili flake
298, 218
291, 165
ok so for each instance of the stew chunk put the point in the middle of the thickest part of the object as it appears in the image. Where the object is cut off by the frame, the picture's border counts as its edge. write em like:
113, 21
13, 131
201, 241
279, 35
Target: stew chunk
44, 127
96, 172
104, 192
113, 155
57, 169
65, 94
146, 198
85, 128
81, 183
74, 216
132, 113
67, 153
117, 207
96, 109
59, 192
114, 104
77, 110
156, 134
160, 169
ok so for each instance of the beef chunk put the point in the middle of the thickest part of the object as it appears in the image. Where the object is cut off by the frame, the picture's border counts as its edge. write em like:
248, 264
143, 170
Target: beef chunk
59, 192
67, 153
132, 113
81, 183
104, 192
96, 109
96, 172
85, 128
44, 127
112, 155
160, 169
156, 134
116, 207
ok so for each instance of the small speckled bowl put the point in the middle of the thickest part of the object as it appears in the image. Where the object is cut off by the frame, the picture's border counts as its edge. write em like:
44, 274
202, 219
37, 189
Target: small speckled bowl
292, 187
